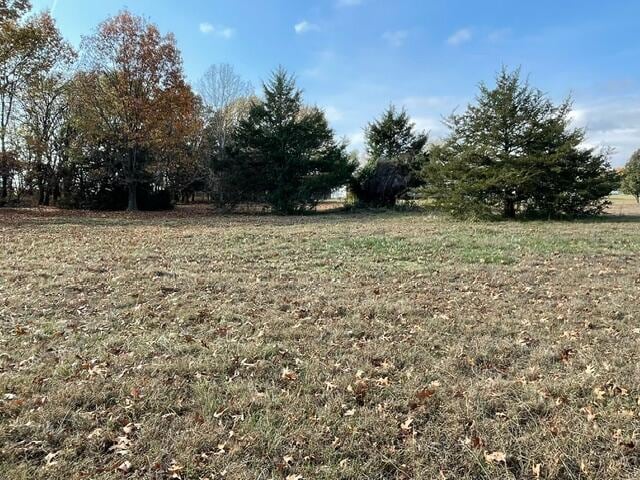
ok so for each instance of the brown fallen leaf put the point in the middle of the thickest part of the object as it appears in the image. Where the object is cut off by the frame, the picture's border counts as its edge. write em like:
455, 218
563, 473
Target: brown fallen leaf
136, 393
288, 375
425, 394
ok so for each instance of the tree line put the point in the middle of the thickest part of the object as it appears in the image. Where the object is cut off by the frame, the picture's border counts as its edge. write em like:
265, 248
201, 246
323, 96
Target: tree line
116, 125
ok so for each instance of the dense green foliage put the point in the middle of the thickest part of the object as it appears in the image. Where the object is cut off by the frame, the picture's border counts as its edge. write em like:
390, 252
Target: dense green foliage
513, 152
284, 153
631, 176
396, 154
125, 130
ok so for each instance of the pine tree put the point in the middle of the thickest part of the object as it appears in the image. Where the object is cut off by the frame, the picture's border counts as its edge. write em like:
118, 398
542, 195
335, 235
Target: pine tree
396, 155
631, 177
512, 152
284, 153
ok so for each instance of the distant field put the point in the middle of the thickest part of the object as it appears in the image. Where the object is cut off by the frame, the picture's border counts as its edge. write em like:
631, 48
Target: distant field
330, 346
624, 205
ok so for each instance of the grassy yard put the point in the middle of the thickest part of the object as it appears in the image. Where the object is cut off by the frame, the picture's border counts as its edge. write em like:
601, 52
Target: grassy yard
330, 346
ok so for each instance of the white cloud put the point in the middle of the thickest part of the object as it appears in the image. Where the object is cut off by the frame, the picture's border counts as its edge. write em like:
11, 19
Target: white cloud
304, 27
431, 125
226, 32
397, 38
333, 114
207, 28
356, 140
460, 37
612, 122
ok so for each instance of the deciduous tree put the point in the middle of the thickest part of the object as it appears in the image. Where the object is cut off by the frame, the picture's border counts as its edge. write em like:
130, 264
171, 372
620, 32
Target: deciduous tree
227, 99
132, 93
12, 10
44, 106
28, 48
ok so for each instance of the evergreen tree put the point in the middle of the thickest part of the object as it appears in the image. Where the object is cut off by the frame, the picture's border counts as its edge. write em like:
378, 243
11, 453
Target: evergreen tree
396, 155
283, 153
514, 151
631, 177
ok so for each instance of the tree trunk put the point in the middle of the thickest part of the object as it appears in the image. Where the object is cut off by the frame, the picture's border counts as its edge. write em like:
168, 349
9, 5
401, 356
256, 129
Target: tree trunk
509, 208
133, 197
5, 186
132, 183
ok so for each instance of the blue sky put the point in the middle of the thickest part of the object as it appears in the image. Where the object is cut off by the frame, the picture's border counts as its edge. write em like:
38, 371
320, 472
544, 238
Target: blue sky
355, 57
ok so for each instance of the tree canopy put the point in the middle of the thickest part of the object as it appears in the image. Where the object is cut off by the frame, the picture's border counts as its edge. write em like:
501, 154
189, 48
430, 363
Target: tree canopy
122, 128
284, 152
29, 49
513, 151
396, 153
132, 96
12, 10
631, 176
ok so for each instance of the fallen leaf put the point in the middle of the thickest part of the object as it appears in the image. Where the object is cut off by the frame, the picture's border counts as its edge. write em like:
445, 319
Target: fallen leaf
425, 394
536, 470
49, 459
406, 425
495, 457
288, 375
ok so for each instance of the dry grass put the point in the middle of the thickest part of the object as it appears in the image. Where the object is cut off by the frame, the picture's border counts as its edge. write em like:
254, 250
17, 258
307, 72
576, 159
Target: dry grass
331, 346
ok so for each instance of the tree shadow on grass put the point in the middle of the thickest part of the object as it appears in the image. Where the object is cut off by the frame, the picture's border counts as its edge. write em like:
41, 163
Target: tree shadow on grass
186, 216
611, 218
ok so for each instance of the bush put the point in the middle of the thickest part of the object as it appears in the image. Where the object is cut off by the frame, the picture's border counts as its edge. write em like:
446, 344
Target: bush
150, 200
115, 198
382, 183
396, 156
